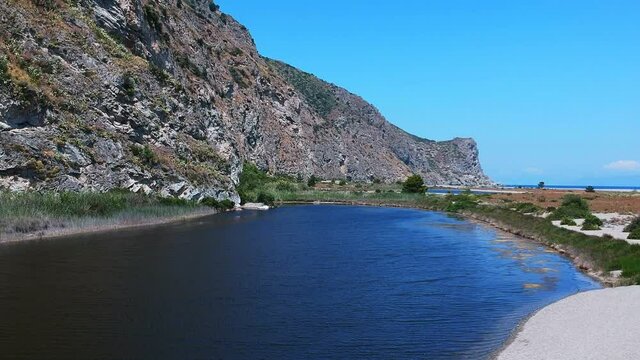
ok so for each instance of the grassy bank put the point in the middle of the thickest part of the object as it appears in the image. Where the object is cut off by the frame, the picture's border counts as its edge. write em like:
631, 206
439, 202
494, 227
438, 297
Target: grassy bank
41, 213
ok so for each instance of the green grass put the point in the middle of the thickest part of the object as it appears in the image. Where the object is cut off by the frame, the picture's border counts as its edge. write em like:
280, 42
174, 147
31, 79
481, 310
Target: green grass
31, 212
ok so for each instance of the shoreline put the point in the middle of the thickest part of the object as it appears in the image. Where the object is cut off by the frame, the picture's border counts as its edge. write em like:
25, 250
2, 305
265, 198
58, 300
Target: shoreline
61, 232
566, 328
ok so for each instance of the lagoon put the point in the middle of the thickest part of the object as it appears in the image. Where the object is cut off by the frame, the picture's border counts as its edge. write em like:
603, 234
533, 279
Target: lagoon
312, 282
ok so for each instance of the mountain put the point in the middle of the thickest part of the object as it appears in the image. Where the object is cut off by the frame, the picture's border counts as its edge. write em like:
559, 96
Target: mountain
172, 97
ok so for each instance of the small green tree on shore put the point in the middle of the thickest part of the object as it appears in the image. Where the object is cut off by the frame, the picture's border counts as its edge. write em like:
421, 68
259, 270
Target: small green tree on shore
414, 184
541, 185
590, 189
313, 180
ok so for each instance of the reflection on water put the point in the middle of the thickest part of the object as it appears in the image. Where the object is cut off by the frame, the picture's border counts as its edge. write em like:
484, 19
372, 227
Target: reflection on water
303, 282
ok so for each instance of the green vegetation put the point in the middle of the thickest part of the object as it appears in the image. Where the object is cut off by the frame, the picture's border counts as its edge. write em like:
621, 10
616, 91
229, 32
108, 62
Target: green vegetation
153, 18
461, 202
527, 208
568, 221
317, 93
591, 222
414, 184
633, 226
129, 85
145, 154
634, 229
573, 206
256, 186
266, 199
313, 180
225, 204
4, 68
30, 212
590, 189
541, 185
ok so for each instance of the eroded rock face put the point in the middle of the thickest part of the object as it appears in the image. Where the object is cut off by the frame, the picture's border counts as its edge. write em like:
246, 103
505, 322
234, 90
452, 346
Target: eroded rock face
170, 97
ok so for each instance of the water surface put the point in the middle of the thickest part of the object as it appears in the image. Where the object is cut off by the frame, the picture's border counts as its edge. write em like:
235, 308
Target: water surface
298, 282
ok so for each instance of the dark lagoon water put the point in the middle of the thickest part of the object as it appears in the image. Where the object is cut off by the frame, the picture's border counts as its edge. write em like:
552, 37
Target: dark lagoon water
298, 282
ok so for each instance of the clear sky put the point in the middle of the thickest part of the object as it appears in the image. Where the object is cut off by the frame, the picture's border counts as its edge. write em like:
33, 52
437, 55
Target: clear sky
550, 90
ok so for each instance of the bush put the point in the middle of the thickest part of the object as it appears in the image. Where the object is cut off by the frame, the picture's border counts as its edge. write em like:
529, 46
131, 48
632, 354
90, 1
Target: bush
591, 222
414, 184
460, 202
145, 154
635, 225
590, 189
266, 199
174, 201
285, 186
213, 6
313, 180
635, 234
4, 68
568, 221
527, 207
342, 183
573, 206
129, 85
225, 204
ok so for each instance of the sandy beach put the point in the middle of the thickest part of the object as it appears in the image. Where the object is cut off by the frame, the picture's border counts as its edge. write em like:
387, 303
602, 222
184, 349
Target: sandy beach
599, 324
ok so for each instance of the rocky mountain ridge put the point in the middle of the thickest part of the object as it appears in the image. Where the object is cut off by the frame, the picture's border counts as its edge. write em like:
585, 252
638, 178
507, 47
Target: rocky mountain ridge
172, 97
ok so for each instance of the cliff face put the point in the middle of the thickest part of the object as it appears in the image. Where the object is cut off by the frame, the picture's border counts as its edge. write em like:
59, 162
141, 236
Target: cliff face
172, 97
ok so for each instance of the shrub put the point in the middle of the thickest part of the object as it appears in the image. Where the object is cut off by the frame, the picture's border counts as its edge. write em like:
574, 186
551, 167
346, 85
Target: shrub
342, 183
414, 184
145, 154
4, 68
591, 222
266, 199
460, 202
567, 221
313, 180
635, 234
129, 84
174, 201
633, 226
590, 189
541, 185
285, 186
213, 6
153, 18
527, 208
225, 204
573, 206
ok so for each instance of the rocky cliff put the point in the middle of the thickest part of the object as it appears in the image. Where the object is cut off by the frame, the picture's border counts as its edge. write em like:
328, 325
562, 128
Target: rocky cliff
172, 97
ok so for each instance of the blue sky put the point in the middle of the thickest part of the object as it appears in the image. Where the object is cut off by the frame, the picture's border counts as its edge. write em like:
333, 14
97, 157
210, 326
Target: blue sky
550, 90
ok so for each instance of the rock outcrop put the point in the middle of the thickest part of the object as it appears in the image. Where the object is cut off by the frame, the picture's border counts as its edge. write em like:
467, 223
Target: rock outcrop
172, 97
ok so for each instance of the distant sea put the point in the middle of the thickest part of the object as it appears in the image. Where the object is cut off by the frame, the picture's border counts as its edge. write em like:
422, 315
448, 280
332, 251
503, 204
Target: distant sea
577, 187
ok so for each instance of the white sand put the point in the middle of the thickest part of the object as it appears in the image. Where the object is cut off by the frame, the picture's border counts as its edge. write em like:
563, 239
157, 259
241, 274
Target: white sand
599, 324
611, 226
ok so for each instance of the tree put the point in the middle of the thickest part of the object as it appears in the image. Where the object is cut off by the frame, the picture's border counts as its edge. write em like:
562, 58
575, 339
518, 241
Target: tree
313, 180
590, 189
213, 6
541, 185
414, 184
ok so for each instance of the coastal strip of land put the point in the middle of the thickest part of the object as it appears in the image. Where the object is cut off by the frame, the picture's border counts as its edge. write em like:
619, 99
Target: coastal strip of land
46, 215
598, 324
